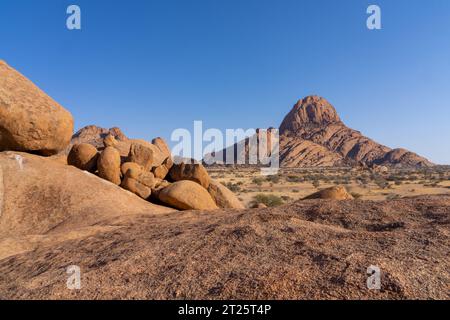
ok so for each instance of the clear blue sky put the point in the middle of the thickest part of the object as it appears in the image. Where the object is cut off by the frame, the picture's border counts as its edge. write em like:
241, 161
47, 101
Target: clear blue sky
151, 66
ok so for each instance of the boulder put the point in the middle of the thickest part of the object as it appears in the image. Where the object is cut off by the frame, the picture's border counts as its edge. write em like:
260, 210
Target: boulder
136, 187
162, 146
333, 193
194, 172
258, 206
142, 155
161, 171
42, 196
187, 195
96, 136
83, 156
108, 165
223, 196
110, 141
144, 177
130, 165
30, 120
159, 185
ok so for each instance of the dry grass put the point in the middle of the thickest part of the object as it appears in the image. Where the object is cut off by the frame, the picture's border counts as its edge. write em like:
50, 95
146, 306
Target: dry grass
295, 184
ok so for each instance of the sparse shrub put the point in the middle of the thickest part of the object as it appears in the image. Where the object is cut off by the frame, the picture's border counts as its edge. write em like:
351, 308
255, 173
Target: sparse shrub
381, 183
294, 179
273, 178
233, 186
356, 195
258, 181
269, 200
393, 196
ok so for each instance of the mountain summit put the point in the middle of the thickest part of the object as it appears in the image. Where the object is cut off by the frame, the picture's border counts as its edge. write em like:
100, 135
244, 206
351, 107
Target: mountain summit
309, 112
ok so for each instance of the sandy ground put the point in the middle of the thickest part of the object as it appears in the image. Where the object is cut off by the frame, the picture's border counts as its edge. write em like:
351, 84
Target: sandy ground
419, 183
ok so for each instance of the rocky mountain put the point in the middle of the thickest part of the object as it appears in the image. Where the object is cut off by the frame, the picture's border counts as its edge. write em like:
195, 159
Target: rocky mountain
313, 135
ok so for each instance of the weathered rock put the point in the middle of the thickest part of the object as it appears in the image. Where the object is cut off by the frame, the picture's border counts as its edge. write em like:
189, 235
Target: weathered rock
96, 136
142, 155
223, 196
258, 206
29, 119
169, 163
110, 141
144, 177
187, 195
43, 195
194, 172
108, 165
130, 165
136, 187
162, 146
333, 193
83, 156
159, 185
161, 171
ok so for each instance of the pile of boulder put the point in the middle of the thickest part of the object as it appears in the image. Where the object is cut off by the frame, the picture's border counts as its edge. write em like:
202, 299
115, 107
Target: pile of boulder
148, 170
31, 121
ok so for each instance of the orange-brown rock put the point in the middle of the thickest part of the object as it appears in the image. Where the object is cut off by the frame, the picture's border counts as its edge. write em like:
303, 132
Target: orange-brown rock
110, 141
130, 165
190, 171
30, 120
223, 196
101, 138
162, 146
144, 177
135, 186
333, 193
187, 195
41, 196
141, 155
108, 165
83, 156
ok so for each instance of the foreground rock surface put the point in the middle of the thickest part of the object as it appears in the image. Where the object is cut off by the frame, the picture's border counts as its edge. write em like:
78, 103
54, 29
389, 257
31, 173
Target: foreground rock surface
307, 250
29, 119
39, 197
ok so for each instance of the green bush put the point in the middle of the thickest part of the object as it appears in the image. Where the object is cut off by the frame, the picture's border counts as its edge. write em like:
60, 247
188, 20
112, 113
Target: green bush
269, 200
258, 181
